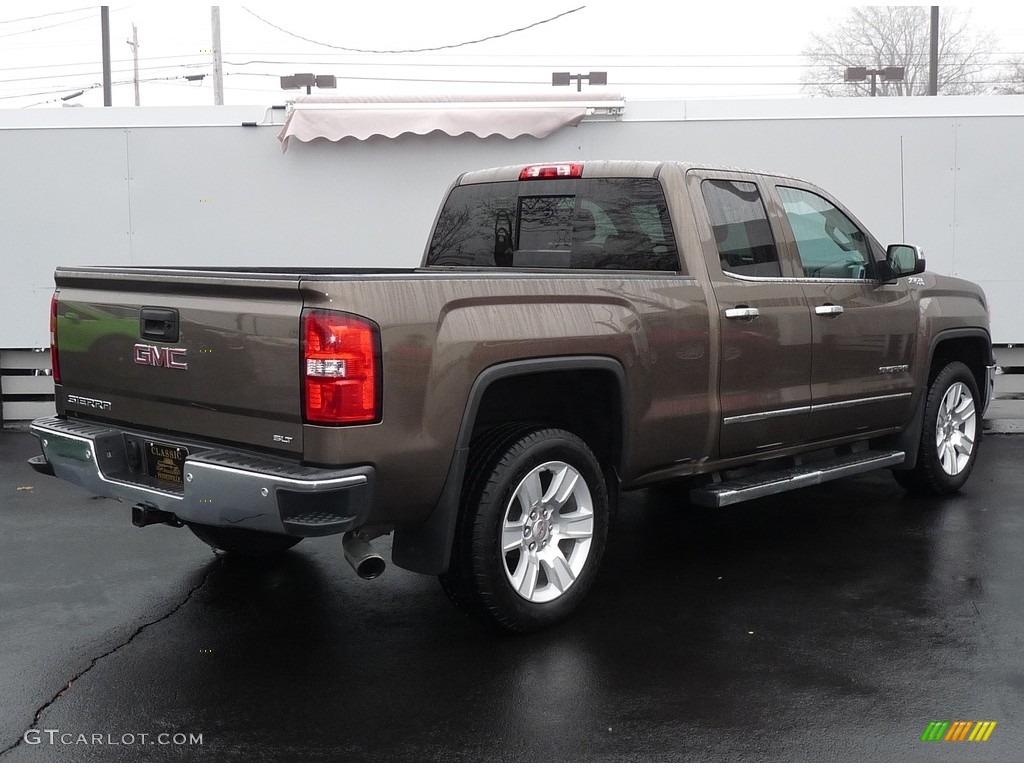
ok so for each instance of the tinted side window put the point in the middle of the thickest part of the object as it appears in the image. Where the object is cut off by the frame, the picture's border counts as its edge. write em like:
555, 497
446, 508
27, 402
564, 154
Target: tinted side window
740, 223
577, 224
829, 244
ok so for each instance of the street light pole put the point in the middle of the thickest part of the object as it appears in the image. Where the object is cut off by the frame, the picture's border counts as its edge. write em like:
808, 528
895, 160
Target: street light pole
860, 74
307, 80
592, 78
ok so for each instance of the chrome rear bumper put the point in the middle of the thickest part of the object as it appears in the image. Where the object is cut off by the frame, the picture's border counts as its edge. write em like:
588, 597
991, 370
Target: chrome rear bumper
220, 487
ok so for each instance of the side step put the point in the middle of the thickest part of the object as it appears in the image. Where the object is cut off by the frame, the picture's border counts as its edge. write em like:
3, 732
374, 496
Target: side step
767, 483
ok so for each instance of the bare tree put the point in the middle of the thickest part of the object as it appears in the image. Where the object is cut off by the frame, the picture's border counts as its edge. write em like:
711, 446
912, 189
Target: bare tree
882, 36
1011, 79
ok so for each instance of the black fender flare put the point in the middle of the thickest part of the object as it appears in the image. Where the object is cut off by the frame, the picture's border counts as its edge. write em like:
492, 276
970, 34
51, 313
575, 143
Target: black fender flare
973, 332
909, 440
426, 547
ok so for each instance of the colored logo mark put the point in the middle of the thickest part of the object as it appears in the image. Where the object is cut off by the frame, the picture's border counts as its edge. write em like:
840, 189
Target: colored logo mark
959, 730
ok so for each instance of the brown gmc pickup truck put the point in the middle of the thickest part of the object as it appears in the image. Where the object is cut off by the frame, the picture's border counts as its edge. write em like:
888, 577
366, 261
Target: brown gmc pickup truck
575, 329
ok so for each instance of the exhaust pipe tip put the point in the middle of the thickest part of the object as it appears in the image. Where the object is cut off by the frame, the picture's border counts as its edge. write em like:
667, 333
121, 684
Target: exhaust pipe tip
371, 567
364, 559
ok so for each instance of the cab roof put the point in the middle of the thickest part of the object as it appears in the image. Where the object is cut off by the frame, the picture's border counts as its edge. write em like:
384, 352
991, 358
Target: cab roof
642, 169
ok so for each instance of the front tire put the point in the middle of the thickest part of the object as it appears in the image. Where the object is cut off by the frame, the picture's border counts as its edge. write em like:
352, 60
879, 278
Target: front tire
950, 434
531, 532
241, 541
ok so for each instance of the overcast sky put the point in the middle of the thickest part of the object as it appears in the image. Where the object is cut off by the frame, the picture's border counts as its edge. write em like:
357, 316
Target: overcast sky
649, 49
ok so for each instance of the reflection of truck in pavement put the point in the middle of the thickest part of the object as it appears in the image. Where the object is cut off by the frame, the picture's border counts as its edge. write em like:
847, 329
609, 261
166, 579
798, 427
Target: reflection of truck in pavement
575, 329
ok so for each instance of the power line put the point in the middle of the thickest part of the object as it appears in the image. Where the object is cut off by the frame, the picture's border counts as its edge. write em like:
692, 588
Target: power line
180, 80
92, 87
546, 81
496, 64
789, 94
48, 26
542, 60
413, 50
45, 15
96, 63
539, 82
52, 91
538, 65
199, 61
607, 55
86, 74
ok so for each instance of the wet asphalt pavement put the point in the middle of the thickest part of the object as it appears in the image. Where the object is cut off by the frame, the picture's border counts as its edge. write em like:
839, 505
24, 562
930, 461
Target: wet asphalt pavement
831, 623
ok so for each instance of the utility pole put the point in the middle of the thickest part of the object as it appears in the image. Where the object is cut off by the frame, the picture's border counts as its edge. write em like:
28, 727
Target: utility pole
218, 63
105, 40
134, 43
933, 59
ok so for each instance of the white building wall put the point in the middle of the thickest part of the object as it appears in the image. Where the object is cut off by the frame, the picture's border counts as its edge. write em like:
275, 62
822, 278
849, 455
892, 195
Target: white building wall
192, 186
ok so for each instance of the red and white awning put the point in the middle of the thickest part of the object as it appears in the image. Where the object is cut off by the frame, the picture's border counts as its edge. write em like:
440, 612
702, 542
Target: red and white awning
335, 118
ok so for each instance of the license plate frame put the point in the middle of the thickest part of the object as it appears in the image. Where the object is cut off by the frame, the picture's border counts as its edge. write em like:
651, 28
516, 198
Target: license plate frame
165, 462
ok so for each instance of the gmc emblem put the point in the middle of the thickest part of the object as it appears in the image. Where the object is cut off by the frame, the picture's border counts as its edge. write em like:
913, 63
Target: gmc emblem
161, 357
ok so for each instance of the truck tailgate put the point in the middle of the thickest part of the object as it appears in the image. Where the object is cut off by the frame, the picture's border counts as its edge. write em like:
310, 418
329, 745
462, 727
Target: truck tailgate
200, 353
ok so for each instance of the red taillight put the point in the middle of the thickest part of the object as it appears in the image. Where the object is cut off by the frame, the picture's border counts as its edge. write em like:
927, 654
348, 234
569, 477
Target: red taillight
552, 171
54, 362
340, 368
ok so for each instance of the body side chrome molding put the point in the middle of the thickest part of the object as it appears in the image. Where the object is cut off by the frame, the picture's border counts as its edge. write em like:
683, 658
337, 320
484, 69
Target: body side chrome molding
860, 401
746, 418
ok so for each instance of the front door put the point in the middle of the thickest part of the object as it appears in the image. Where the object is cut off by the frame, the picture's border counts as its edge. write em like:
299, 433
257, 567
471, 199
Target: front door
864, 331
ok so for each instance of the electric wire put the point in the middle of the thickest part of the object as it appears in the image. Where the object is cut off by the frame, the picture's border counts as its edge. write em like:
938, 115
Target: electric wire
113, 71
676, 84
414, 50
91, 87
201, 60
45, 15
48, 26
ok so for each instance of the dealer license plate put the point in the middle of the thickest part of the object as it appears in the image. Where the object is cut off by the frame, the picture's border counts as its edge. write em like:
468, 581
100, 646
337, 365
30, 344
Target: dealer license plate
166, 462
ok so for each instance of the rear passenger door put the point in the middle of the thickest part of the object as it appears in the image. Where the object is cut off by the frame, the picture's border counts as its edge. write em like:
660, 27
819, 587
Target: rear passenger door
864, 330
765, 353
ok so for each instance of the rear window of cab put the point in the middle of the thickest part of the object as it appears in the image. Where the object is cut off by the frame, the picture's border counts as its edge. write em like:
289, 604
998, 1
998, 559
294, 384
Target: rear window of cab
558, 224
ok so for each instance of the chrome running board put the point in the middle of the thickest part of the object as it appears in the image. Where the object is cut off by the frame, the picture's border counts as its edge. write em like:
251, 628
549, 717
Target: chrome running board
755, 486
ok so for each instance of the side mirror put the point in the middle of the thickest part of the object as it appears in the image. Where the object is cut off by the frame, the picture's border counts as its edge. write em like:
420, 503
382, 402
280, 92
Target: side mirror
903, 260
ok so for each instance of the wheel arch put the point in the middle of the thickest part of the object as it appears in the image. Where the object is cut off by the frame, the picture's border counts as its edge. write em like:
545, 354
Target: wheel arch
973, 347
512, 391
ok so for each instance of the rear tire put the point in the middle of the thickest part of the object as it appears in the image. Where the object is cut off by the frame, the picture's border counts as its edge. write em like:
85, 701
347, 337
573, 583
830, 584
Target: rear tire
950, 434
241, 541
531, 531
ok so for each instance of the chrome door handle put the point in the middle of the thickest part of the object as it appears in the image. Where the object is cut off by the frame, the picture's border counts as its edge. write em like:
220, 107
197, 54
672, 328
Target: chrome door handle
742, 313
828, 310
